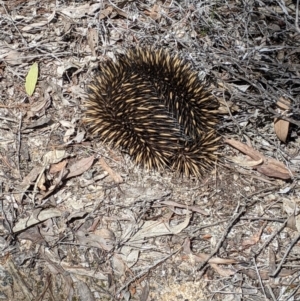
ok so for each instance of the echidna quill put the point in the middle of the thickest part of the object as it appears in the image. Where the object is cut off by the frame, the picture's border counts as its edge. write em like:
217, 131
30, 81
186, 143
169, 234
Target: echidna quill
154, 105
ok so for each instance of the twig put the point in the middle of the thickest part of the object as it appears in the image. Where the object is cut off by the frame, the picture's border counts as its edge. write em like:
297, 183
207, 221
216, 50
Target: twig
16, 28
285, 255
270, 239
144, 272
297, 16
229, 226
259, 278
18, 146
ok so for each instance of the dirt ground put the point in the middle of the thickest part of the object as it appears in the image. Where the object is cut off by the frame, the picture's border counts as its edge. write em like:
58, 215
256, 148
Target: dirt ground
80, 221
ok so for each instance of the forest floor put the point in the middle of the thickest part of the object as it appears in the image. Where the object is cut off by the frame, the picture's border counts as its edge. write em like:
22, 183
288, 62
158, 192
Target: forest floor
81, 221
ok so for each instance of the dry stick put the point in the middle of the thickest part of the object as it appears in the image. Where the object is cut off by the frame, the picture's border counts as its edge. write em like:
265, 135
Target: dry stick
259, 278
216, 250
288, 286
285, 255
16, 28
293, 293
19, 144
142, 273
270, 239
271, 292
297, 15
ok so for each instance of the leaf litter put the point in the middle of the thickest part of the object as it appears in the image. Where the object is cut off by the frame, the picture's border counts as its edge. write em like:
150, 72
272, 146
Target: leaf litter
83, 221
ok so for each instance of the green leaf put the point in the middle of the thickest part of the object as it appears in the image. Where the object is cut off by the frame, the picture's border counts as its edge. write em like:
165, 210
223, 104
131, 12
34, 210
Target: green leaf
31, 79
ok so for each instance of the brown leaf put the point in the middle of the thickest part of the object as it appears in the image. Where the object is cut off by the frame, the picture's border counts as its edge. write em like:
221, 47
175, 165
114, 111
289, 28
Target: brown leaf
105, 12
275, 169
263, 274
221, 271
116, 177
281, 127
269, 167
57, 167
254, 239
80, 167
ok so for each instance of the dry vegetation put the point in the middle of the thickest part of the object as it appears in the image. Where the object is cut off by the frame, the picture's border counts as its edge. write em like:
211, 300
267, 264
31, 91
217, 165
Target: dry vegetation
79, 221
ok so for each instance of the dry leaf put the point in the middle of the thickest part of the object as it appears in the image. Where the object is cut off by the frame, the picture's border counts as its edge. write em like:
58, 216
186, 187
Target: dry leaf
281, 127
105, 12
54, 168
270, 167
289, 206
80, 167
116, 177
54, 156
96, 241
33, 220
40, 24
157, 228
254, 239
92, 38
221, 271
244, 162
194, 208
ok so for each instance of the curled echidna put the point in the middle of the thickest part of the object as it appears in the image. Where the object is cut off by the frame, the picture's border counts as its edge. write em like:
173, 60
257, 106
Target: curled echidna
153, 105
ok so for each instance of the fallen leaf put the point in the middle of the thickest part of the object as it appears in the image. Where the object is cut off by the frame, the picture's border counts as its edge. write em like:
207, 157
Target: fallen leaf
269, 167
254, 239
116, 177
54, 156
57, 167
31, 79
92, 39
80, 167
43, 215
244, 162
97, 241
157, 228
281, 126
221, 271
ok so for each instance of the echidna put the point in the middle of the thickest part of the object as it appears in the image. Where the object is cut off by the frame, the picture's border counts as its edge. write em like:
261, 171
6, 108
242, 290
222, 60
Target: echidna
153, 105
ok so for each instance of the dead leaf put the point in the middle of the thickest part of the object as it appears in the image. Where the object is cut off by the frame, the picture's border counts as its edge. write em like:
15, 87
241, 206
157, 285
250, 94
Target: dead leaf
84, 291
193, 208
80, 167
221, 271
92, 38
116, 177
76, 12
43, 215
118, 264
281, 126
154, 13
54, 156
289, 206
105, 12
34, 26
263, 274
270, 167
244, 162
157, 228
57, 167
254, 239
33, 234
41, 183
96, 241
201, 257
